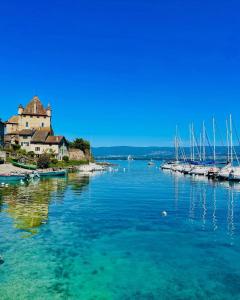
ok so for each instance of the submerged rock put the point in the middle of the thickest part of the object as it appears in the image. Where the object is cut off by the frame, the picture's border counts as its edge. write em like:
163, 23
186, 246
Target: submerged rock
94, 272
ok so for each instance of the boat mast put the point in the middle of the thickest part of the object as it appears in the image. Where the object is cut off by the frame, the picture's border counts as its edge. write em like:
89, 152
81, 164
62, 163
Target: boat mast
193, 144
204, 142
200, 146
228, 147
231, 140
190, 134
214, 140
176, 144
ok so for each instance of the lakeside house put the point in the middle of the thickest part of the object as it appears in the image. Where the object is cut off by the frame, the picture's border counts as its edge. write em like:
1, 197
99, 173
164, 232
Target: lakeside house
32, 129
1, 133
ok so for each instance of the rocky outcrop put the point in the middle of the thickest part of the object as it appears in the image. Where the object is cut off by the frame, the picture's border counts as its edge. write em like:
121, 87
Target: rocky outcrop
76, 154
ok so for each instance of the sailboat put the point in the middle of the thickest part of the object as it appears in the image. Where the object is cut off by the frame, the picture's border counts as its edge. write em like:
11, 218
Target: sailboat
234, 174
228, 169
188, 166
177, 166
201, 168
172, 165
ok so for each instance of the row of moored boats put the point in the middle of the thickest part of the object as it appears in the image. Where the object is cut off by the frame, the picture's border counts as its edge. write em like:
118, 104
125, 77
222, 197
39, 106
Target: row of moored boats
199, 162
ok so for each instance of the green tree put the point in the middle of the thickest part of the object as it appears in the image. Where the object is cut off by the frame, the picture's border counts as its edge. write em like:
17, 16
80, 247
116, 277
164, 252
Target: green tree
80, 144
44, 161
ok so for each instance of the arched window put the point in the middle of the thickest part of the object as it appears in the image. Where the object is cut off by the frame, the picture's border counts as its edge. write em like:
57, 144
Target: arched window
27, 125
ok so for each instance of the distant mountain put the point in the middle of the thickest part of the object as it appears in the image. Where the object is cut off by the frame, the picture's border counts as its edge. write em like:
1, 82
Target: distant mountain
134, 151
122, 152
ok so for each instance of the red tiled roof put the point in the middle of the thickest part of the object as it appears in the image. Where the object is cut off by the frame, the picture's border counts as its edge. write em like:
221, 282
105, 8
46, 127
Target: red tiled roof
10, 137
40, 135
35, 107
13, 119
27, 132
7, 138
54, 139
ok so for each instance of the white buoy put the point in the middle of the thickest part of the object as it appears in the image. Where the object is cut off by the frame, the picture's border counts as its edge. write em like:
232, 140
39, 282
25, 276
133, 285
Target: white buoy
164, 213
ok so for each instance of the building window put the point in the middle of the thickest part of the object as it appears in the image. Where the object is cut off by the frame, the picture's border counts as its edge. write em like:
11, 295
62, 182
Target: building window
25, 137
27, 125
42, 124
37, 148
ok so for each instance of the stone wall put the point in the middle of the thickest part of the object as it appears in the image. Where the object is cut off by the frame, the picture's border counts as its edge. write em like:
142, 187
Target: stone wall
76, 154
33, 122
1, 133
3, 155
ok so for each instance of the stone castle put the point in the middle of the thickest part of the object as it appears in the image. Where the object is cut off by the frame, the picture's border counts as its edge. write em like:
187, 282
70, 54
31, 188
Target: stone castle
32, 129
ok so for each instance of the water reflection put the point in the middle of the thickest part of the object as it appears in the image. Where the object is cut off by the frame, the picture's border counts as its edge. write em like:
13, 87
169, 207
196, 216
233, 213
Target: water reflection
28, 205
214, 215
230, 214
211, 203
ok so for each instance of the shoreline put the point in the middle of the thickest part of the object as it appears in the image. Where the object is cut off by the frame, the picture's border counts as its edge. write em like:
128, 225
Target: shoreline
8, 169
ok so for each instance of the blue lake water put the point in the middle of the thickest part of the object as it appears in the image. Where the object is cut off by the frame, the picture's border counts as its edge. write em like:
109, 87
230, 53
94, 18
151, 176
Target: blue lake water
103, 237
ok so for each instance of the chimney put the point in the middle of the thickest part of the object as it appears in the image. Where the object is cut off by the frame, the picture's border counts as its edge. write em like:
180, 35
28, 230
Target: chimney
49, 110
20, 109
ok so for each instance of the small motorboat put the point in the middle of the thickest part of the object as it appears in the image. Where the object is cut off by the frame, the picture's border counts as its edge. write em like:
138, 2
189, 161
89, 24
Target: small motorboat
151, 163
129, 158
12, 177
52, 173
24, 166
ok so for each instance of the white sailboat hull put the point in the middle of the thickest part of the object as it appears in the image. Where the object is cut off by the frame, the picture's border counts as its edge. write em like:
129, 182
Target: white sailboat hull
199, 170
235, 174
225, 172
187, 169
166, 166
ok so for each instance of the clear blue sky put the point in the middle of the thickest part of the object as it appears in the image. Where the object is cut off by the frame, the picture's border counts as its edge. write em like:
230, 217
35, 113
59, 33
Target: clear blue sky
122, 72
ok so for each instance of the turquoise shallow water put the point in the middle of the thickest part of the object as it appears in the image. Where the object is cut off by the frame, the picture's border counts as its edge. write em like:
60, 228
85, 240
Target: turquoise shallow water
103, 237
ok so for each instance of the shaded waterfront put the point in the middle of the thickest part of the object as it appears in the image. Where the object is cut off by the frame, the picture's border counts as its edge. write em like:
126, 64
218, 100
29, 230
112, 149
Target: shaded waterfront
103, 237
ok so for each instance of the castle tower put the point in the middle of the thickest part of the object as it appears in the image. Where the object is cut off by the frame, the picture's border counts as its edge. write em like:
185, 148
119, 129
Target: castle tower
49, 110
20, 109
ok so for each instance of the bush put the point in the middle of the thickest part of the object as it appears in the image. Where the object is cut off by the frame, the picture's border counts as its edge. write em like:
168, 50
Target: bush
44, 161
66, 159
31, 154
22, 152
16, 147
54, 161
